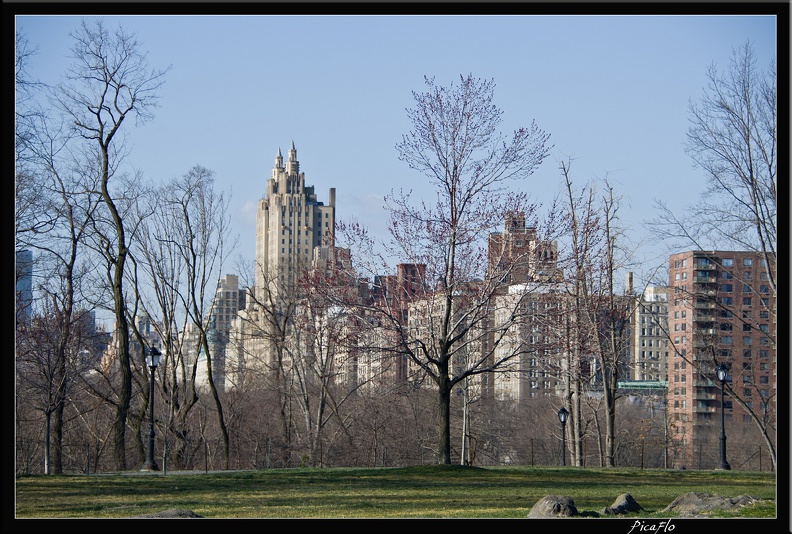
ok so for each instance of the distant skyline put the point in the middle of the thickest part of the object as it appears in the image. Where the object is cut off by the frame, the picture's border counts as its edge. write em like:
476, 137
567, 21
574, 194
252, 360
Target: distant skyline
612, 90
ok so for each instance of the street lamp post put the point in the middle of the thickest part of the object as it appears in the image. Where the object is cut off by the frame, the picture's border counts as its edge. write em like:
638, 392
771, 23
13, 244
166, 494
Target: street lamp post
152, 360
562, 416
721, 372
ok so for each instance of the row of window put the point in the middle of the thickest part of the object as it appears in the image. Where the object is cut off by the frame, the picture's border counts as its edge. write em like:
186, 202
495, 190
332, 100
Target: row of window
705, 263
726, 275
746, 340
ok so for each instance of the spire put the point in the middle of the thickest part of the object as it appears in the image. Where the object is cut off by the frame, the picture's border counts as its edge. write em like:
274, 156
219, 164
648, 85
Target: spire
292, 166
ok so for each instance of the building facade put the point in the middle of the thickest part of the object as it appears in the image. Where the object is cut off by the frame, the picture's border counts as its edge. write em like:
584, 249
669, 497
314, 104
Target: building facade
649, 335
721, 311
294, 237
290, 223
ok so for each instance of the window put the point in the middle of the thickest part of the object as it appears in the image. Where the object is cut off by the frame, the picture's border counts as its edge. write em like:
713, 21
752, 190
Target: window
726, 327
746, 340
764, 289
746, 288
746, 301
726, 340
747, 354
763, 314
763, 276
746, 327
747, 392
726, 288
764, 328
747, 262
746, 366
684, 263
763, 354
676, 264
763, 380
726, 275
727, 262
726, 301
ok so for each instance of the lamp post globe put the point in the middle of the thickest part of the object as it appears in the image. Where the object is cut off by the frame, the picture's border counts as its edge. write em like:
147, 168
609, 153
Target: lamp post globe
152, 357
562, 416
722, 373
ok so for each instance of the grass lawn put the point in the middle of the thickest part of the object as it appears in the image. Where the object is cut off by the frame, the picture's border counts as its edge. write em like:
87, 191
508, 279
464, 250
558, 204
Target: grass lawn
426, 492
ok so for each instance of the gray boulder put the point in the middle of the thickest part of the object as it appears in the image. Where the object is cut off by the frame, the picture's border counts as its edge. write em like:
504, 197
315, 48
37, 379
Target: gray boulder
694, 503
553, 506
624, 504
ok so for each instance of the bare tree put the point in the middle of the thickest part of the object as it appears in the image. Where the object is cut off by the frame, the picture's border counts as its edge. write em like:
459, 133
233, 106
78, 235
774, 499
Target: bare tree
56, 202
109, 81
455, 144
733, 138
599, 318
183, 250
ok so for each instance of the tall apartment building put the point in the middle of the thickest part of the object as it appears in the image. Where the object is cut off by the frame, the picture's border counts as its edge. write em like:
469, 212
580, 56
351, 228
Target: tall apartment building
649, 335
228, 301
290, 223
538, 339
721, 310
294, 234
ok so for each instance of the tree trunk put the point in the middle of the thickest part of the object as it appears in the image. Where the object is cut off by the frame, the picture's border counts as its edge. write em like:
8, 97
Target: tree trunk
444, 416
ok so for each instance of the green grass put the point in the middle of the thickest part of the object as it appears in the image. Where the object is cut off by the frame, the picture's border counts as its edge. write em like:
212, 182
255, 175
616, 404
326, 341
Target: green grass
413, 492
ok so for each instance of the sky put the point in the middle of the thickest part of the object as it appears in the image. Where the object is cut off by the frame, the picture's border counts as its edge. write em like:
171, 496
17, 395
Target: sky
613, 91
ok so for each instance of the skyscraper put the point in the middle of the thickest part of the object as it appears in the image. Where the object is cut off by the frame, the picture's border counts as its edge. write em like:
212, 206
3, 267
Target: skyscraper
294, 234
290, 223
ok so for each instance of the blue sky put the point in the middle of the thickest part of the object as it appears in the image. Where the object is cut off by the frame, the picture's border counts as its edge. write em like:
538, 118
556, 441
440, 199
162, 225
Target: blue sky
612, 90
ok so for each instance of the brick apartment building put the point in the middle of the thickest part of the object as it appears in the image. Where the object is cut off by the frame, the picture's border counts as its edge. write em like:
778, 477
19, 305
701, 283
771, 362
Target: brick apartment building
720, 310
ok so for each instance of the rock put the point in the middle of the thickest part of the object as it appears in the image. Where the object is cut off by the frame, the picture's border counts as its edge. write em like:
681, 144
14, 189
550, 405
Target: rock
624, 504
173, 513
553, 506
695, 502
